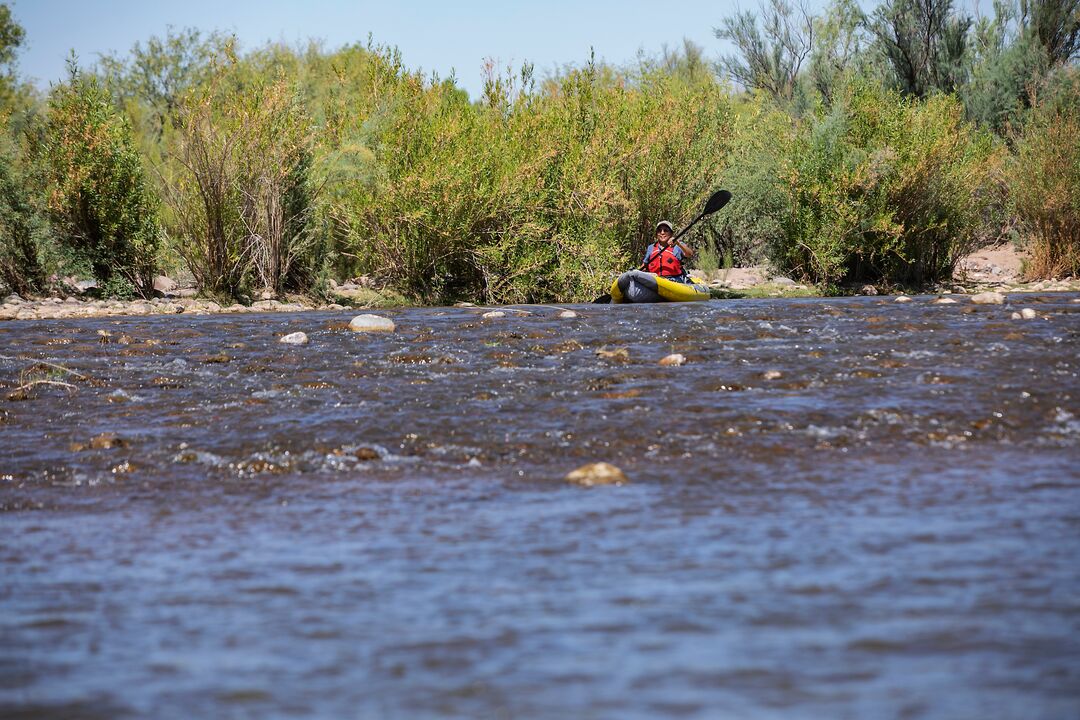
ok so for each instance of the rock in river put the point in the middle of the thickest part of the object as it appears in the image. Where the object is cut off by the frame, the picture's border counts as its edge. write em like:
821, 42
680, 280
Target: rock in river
988, 298
371, 323
296, 338
600, 473
1025, 314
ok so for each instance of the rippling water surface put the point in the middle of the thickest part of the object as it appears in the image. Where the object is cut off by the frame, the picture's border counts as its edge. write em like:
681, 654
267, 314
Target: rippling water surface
837, 508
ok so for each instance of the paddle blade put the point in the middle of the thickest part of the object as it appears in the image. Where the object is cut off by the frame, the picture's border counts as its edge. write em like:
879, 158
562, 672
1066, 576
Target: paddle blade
719, 199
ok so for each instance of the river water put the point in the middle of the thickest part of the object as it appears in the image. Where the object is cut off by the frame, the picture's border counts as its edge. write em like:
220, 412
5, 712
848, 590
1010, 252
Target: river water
845, 508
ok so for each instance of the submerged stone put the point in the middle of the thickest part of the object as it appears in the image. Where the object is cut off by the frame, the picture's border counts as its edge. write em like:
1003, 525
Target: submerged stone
618, 354
674, 359
593, 474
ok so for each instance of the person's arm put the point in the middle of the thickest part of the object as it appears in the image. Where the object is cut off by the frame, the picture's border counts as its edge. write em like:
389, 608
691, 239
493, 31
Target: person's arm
687, 252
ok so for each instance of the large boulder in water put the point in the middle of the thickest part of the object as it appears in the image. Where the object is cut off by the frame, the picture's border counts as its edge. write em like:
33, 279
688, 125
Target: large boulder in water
371, 323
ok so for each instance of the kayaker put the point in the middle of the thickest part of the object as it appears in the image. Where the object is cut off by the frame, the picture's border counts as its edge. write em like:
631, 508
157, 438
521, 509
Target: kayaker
665, 256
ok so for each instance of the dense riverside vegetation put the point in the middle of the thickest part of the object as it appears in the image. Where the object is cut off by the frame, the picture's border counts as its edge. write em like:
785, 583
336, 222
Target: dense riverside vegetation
860, 147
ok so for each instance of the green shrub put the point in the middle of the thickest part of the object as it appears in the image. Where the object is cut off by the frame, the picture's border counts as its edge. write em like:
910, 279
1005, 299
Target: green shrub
888, 189
118, 288
1045, 180
239, 187
531, 195
755, 220
21, 266
101, 209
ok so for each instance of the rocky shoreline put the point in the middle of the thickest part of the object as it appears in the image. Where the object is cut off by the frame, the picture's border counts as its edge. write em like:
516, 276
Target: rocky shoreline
15, 307
979, 274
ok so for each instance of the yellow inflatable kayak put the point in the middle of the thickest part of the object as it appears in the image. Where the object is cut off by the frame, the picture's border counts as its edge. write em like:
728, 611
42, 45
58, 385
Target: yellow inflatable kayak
638, 286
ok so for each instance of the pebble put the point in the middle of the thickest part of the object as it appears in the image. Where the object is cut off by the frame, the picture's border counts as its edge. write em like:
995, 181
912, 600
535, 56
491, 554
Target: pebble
943, 301
593, 474
371, 323
674, 359
296, 338
988, 298
567, 314
772, 375
494, 314
902, 298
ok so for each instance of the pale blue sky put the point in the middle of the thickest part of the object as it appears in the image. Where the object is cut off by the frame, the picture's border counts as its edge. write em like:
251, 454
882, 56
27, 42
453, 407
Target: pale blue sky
431, 35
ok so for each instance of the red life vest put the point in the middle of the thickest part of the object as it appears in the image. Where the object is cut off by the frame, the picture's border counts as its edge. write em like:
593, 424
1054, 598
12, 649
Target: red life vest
664, 263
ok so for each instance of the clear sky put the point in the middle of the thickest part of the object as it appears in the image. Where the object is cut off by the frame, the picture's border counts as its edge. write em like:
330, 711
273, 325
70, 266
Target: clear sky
435, 36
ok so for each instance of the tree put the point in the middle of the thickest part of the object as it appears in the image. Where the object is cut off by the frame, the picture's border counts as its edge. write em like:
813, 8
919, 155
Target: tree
240, 189
838, 46
1014, 53
687, 62
159, 73
923, 43
21, 266
1056, 26
768, 57
96, 193
11, 39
